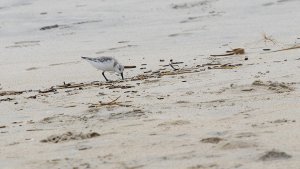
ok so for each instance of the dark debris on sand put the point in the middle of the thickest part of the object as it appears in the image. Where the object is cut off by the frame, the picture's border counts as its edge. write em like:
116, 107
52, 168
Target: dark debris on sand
68, 136
49, 27
274, 155
213, 140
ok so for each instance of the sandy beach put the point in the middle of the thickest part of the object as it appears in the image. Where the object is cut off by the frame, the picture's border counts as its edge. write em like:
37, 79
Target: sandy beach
216, 84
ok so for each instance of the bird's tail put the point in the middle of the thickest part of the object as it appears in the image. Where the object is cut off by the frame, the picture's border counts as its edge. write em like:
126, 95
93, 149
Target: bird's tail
86, 58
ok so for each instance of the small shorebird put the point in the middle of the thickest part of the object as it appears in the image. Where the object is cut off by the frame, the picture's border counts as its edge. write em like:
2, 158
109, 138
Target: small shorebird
106, 63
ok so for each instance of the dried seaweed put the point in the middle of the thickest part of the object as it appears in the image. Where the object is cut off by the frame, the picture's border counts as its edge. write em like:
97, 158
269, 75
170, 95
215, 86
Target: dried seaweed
100, 104
226, 66
47, 90
236, 51
76, 85
72, 85
209, 64
142, 77
119, 86
7, 93
278, 87
109, 85
7, 99
135, 113
68, 136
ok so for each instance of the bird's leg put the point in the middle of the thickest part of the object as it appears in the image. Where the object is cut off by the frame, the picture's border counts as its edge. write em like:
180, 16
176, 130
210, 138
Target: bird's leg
122, 76
104, 76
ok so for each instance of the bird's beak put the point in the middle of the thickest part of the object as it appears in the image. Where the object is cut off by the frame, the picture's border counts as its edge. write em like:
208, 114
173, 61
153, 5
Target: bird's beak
122, 76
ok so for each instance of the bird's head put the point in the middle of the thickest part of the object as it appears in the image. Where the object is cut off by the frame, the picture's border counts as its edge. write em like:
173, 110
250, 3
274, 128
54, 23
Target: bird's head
119, 69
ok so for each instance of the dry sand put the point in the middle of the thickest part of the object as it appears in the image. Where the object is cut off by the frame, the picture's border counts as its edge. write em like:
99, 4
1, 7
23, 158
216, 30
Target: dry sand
213, 112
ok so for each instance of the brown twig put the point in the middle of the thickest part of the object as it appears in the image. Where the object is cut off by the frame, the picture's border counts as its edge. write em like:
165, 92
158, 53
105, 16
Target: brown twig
129, 67
173, 67
236, 51
113, 102
284, 49
171, 64
228, 54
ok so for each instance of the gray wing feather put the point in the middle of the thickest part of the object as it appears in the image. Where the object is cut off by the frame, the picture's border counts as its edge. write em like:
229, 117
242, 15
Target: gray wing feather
102, 59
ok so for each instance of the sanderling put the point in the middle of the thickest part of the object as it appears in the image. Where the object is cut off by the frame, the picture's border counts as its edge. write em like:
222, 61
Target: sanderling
106, 63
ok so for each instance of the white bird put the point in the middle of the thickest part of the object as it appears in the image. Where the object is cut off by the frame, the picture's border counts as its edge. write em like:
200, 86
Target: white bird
106, 63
